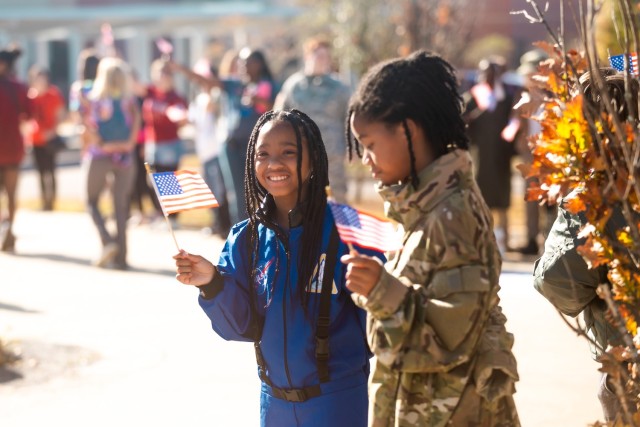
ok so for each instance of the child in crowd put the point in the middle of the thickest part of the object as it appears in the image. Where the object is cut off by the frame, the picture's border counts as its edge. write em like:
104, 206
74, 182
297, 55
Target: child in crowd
112, 123
48, 112
443, 354
278, 283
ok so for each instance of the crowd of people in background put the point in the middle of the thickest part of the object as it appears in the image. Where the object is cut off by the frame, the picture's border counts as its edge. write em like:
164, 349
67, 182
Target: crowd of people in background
229, 94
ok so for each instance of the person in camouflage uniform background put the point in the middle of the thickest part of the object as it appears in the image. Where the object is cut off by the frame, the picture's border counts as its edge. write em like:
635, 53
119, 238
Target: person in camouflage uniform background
318, 92
443, 355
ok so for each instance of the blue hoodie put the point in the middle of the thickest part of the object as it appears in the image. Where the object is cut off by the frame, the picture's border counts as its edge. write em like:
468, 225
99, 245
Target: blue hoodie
288, 335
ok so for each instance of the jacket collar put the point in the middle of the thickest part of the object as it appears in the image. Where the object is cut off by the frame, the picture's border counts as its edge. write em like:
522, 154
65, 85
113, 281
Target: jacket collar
438, 180
296, 215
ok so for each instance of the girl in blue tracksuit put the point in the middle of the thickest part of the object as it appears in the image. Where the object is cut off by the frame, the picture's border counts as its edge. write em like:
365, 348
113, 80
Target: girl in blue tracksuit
267, 286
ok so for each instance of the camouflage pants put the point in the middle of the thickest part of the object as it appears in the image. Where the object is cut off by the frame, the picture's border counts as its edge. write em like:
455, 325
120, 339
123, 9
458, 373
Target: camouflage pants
405, 399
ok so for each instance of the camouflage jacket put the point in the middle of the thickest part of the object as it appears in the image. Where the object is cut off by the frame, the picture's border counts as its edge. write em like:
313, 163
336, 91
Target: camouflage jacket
443, 355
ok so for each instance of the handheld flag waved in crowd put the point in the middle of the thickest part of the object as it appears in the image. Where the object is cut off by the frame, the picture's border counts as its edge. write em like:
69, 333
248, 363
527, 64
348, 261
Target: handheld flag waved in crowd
365, 230
618, 62
182, 190
179, 191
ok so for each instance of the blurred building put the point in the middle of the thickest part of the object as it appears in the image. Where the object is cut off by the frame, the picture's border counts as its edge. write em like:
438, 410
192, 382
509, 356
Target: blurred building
496, 17
53, 32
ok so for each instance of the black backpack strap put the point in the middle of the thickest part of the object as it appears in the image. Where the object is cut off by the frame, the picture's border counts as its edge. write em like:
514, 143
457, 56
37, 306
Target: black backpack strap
322, 333
322, 325
257, 324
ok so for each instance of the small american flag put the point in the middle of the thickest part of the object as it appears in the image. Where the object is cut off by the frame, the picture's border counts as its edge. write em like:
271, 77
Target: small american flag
182, 190
363, 229
617, 62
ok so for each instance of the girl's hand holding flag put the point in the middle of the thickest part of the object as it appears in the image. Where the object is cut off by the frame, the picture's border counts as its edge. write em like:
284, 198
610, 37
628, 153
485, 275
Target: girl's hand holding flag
363, 272
193, 269
368, 231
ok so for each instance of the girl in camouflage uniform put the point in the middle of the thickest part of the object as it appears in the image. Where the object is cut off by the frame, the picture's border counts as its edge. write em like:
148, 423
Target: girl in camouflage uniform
443, 355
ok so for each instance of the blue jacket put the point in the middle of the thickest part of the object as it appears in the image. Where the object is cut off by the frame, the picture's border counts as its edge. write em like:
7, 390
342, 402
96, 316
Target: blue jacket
288, 334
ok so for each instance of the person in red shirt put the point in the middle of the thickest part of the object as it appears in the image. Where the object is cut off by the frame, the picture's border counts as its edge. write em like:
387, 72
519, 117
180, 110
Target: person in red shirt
48, 111
163, 113
14, 109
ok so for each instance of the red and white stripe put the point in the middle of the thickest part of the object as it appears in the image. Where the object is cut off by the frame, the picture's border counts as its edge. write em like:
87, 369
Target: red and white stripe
196, 194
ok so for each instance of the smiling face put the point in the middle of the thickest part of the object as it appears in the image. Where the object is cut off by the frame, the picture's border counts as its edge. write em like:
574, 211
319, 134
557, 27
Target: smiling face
276, 163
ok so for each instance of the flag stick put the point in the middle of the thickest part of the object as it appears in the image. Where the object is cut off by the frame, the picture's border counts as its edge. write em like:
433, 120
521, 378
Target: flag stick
327, 190
166, 215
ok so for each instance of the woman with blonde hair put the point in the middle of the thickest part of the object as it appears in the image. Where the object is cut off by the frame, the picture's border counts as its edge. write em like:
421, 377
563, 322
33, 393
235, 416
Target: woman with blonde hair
112, 122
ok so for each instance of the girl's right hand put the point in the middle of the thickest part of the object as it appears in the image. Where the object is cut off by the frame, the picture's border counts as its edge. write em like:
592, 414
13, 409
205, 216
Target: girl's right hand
193, 269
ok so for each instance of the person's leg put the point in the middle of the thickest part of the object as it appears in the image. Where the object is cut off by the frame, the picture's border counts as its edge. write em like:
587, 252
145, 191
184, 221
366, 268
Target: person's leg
50, 178
501, 229
39, 154
10, 183
124, 176
97, 170
532, 214
140, 183
608, 399
213, 177
226, 168
237, 153
532, 217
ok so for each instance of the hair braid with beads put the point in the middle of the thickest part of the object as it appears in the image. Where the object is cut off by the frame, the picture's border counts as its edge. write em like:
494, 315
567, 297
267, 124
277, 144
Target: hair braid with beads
313, 208
421, 87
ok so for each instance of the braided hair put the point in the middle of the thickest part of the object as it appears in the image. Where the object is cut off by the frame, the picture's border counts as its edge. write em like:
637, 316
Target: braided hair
313, 207
421, 87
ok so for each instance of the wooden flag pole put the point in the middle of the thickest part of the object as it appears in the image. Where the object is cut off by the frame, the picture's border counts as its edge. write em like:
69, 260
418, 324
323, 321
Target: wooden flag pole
166, 216
327, 190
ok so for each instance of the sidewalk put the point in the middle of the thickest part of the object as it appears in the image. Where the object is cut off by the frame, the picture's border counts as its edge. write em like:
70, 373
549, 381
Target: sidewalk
105, 347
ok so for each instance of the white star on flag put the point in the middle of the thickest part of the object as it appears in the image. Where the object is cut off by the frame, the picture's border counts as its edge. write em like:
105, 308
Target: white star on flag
617, 62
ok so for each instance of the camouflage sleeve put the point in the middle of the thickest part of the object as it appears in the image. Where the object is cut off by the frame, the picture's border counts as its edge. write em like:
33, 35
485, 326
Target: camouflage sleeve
429, 318
561, 275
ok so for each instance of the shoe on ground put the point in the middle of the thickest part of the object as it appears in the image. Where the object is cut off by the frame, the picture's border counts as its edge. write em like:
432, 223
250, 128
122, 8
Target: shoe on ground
121, 265
9, 242
109, 252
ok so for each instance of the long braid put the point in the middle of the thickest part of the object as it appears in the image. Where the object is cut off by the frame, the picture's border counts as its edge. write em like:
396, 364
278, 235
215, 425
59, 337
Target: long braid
316, 201
254, 193
315, 206
412, 156
422, 87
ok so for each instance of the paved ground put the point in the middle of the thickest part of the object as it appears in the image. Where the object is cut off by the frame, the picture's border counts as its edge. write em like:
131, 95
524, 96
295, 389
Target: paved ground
104, 347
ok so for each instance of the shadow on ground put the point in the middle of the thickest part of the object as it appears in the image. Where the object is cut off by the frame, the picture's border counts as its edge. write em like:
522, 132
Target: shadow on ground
35, 362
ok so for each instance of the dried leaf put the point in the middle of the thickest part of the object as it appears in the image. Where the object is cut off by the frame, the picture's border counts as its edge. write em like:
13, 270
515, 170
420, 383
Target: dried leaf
574, 204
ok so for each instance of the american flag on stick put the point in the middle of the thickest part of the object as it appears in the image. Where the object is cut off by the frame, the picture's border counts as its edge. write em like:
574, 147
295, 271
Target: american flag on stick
365, 230
182, 190
617, 62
